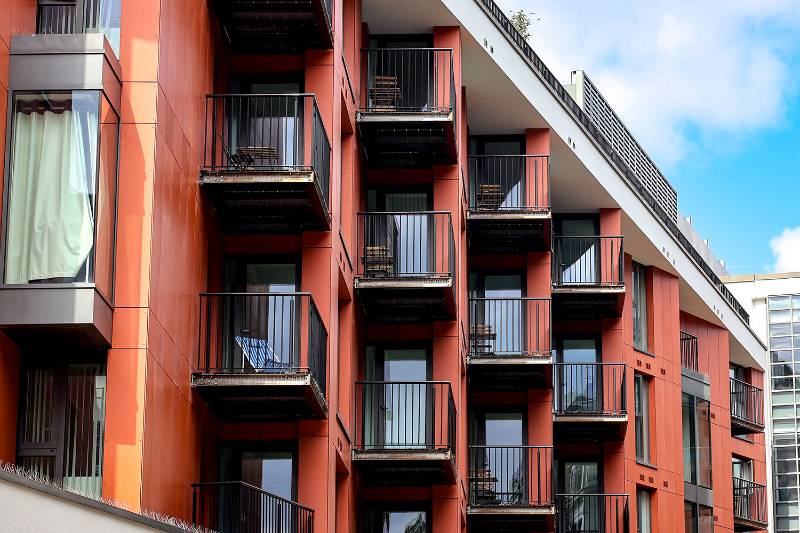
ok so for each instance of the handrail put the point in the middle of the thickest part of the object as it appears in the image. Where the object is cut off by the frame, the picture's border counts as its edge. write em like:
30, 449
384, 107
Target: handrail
590, 388
747, 402
514, 476
592, 131
509, 327
588, 261
509, 183
689, 357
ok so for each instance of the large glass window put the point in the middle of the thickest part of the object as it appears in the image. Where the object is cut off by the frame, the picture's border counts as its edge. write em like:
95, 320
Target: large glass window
642, 400
61, 189
643, 511
640, 307
62, 424
696, 421
698, 518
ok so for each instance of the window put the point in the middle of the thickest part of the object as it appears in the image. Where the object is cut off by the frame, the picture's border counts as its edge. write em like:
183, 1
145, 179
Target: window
640, 307
82, 16
696, 422
62, 424
698, 518
643, 511
642, 400
59, 227
398, 521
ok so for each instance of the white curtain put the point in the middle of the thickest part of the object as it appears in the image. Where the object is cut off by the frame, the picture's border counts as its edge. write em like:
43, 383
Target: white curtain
50, 223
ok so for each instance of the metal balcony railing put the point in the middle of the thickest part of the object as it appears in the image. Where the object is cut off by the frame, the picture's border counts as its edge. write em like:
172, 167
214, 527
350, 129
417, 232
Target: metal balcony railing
237, 507
267, 133
747, 403
406, 245
408, 80
590, 389
588, 261
262, 333
689, 351
592, 513
510, 476
749, 501
405, 416
509, 327
509, 183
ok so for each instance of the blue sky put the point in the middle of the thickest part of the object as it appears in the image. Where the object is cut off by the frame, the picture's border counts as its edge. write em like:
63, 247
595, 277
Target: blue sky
711, 89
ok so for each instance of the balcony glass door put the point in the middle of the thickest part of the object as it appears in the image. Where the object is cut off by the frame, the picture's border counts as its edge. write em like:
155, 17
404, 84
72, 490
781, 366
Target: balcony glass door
501, 478
580, 381
583, 512
263, 327
404, 417
579, 254
500, 321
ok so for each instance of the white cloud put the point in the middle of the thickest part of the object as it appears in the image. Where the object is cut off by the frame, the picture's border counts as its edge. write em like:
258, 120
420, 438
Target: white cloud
671, 65
786, 249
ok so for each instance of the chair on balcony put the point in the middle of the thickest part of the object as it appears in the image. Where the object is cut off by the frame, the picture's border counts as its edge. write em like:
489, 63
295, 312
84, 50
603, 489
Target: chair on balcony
385, 92
483, 337
483, 482
490, 196
245, 156
378, 261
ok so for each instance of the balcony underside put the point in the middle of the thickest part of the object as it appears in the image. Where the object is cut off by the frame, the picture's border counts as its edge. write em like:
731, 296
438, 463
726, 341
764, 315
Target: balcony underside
511, 518
406, 466
740, 426
261, 397
745, 524
588, 302
407, 140
510, 373
406, 300
274, 26
589, 427
55, 316
500, 232
266, 201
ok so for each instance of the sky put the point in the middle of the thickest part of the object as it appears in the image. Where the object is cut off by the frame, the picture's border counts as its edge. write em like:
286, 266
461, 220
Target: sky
711, 90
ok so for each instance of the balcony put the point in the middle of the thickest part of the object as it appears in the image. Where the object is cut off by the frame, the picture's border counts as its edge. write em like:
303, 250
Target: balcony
592, 513
70, 17
749, 506
405, 433
509, 203
747, 408
689, 360
406, 266
407, 115
275, 26
588, 277
237, 507
509, 343
261, 356
511, 488
266, 164
589, 401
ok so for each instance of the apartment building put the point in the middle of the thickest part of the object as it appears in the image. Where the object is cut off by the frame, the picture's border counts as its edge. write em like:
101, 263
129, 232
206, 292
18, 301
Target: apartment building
773, 300
354, 266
